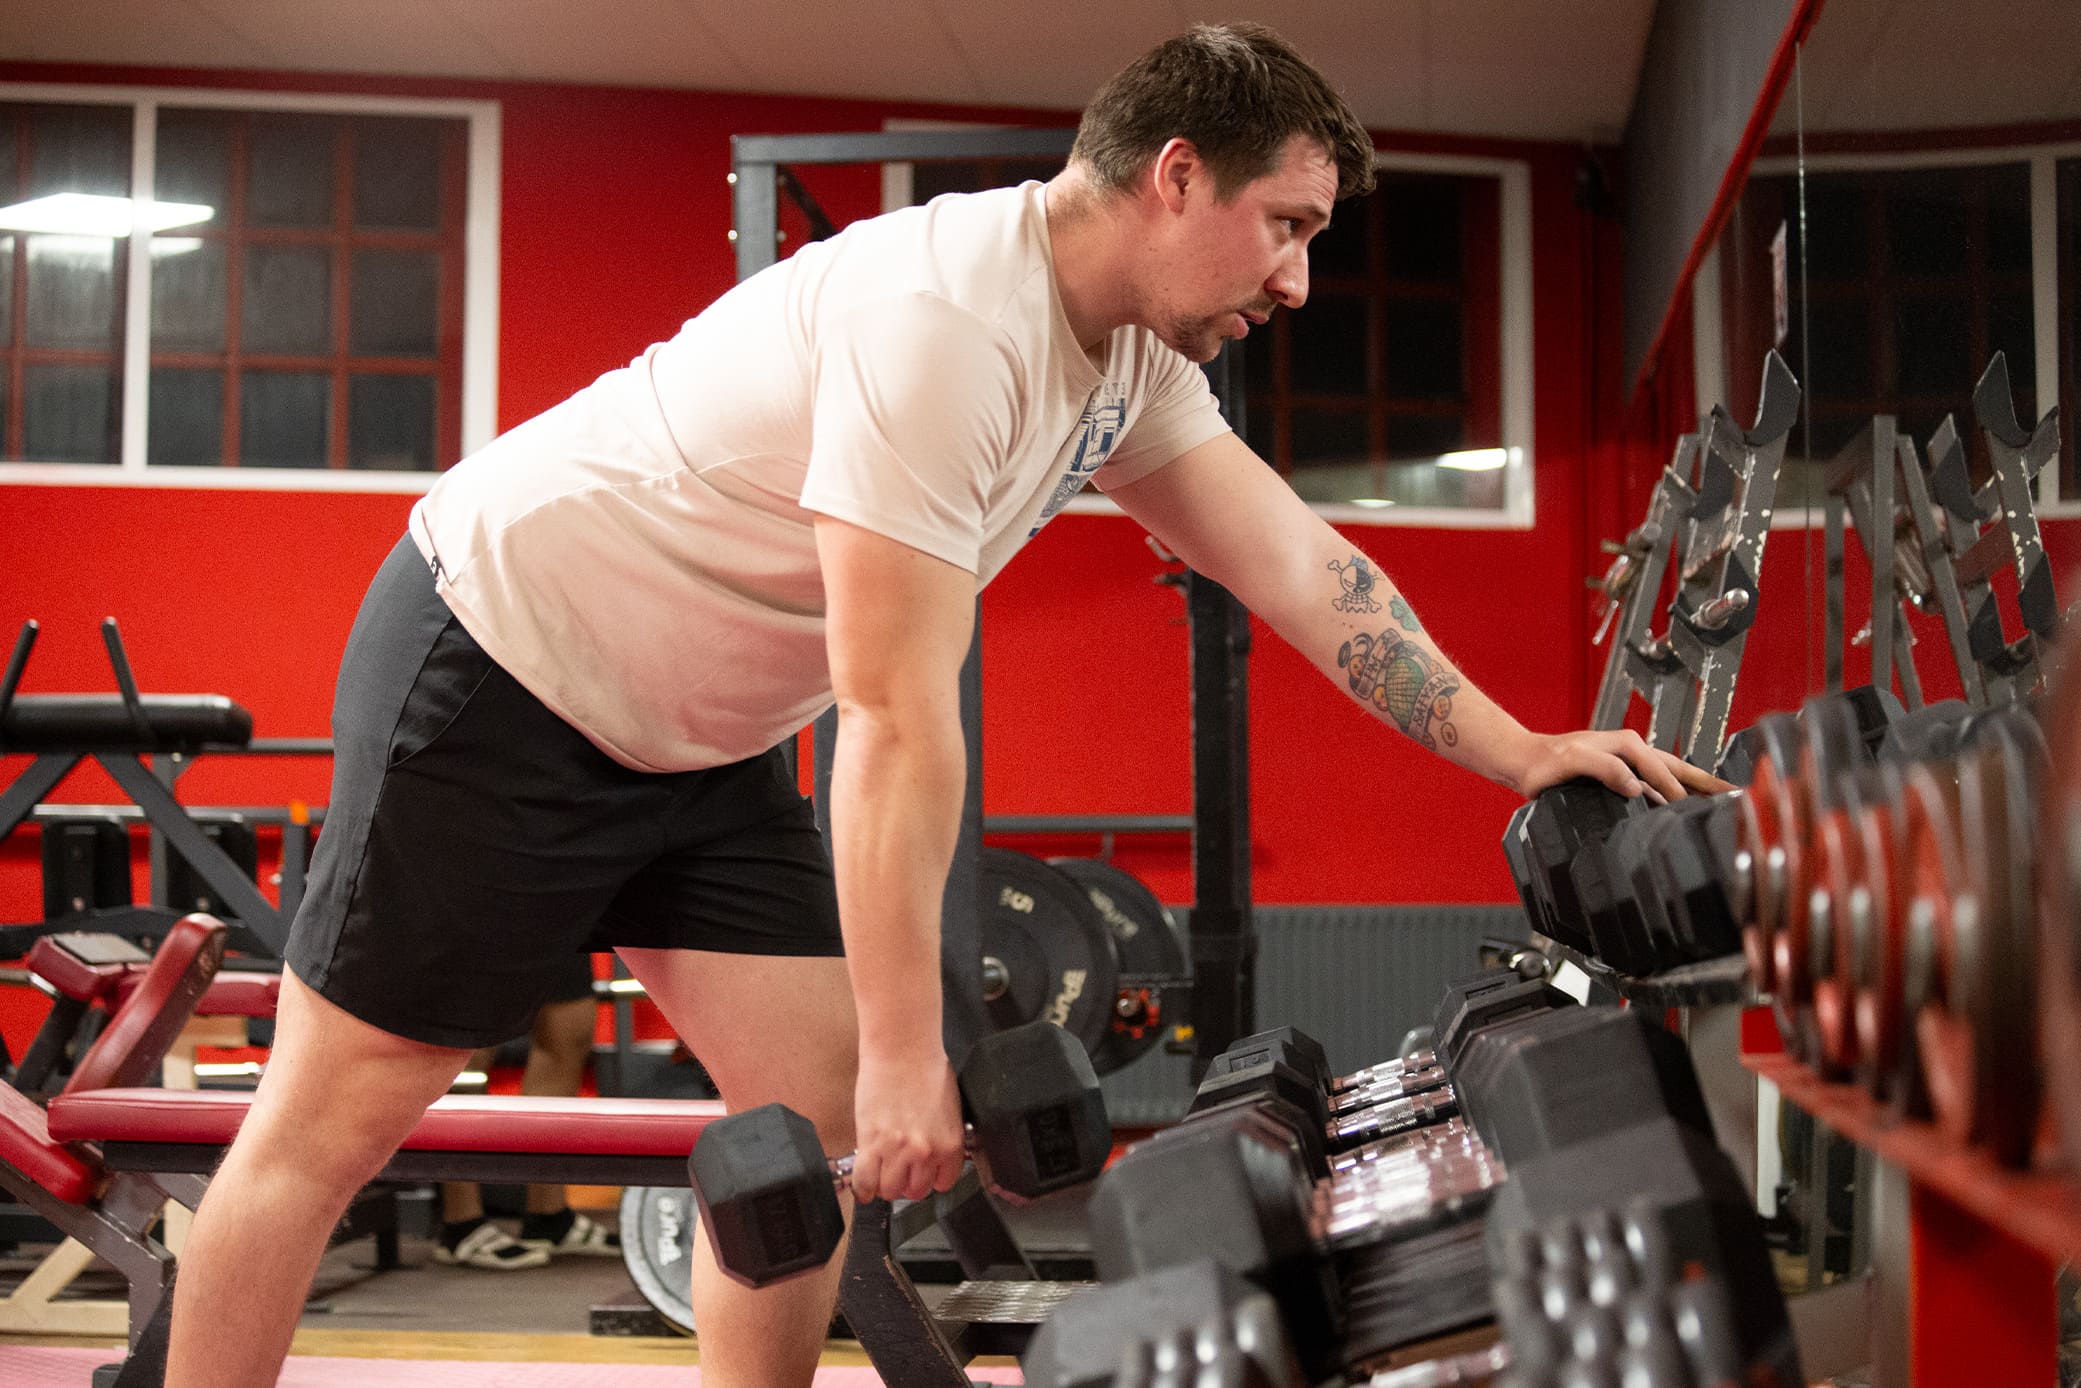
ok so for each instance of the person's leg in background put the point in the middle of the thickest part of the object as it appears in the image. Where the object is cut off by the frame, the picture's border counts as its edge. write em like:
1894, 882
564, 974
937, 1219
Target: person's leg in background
469, 1238
559, 1048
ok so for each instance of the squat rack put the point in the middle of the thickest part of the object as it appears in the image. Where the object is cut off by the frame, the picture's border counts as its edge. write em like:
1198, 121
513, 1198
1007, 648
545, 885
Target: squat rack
1224, 945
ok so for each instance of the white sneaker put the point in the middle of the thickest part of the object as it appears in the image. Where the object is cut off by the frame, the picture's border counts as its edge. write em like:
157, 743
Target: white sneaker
586, 1237
489, 1246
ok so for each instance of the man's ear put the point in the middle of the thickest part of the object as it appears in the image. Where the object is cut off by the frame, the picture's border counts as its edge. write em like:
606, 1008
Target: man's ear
1175, 171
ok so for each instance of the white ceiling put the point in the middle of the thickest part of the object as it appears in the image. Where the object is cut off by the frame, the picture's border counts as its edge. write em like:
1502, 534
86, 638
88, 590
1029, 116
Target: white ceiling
1890, 65
1512, 68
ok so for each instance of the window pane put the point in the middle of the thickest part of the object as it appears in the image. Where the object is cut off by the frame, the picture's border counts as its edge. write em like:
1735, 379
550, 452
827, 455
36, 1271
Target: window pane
1426, 484
188, 298
194, 162
1928, 228
287, 305
10, 168
79, 149
72, 292
2009, 330
1933, 340
1341, 250
1841, 245
1329, 437
289, 171
396, 303
6, 289
1329, 345
397, 174
1840, 347
1424, 349
187, 418
68, 414
390, 423
1425, 436
2008, 219
284, 418
1423, 227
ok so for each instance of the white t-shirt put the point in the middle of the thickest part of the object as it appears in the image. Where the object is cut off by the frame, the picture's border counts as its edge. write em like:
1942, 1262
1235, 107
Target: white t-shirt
642, 556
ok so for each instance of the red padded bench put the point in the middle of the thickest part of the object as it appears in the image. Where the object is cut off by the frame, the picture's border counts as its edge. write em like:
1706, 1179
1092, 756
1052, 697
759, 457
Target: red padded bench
501, 1138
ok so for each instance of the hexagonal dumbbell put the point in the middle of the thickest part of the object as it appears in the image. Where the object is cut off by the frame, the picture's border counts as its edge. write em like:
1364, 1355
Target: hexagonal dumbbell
769, 1197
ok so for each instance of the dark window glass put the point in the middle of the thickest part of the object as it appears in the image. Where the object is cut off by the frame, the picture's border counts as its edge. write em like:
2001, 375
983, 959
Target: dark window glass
287, 303
1340, 249
1330, 437
1334, 359
284, 418
390, 423
1423, 349
187, 418
2010, 330
1425, 436
195, 162
1840, 245
188, 298
68, 413
2008, 233
1928, 223
1841, 347
396, 303
1258, 360
79, 149
1935, 347
397, 174
6, 289
1424, 235
289, 171
72, 292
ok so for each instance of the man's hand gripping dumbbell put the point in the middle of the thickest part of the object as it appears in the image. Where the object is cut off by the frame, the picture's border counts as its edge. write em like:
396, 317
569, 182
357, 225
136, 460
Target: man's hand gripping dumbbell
769, 1197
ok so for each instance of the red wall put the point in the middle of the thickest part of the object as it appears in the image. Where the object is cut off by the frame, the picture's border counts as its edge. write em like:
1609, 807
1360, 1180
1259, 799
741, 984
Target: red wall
614, 228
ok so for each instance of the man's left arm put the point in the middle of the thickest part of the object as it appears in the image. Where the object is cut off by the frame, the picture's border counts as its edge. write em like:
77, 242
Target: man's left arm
1223, 511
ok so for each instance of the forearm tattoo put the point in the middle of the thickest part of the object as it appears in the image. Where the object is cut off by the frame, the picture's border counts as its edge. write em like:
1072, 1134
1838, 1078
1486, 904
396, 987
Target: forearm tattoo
1357, 579
1404, 681
1402, 614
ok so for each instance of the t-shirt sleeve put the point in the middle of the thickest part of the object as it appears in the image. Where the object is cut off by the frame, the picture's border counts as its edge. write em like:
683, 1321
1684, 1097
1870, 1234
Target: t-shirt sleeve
1179, 414
914, 405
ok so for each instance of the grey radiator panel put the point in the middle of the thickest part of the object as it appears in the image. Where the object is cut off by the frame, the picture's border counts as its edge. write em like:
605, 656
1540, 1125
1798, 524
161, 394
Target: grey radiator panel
1354, 977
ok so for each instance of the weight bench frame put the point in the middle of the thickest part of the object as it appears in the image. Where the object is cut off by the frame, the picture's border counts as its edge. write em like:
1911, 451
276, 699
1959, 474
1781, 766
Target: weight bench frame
63, 730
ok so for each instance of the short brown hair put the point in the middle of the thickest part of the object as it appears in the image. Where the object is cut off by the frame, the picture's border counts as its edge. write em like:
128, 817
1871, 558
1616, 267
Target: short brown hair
1239, 93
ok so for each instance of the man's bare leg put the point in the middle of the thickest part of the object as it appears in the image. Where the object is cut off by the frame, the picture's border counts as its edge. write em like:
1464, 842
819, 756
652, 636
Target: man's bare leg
768, 1030
338, 1097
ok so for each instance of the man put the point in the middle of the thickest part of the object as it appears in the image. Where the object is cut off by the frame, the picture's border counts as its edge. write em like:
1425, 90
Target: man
555, 710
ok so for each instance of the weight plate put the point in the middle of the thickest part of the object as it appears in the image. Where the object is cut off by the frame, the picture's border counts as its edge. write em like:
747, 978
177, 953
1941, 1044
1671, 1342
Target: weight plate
1998, 804
1882, 963
1055, 951
2059, 894
657, 1246
1839, 871
1936, 888
1155, 986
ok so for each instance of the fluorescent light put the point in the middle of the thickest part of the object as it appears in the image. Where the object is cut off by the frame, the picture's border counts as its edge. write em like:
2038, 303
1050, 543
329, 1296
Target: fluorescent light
91, 214
1372, 503
164, 246
1476, 459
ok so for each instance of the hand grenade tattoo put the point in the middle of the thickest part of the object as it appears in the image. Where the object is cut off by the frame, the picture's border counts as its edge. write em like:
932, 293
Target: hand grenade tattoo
1403, 681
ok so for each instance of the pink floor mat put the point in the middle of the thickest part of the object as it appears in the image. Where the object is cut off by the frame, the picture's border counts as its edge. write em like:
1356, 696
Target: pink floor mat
74, 1368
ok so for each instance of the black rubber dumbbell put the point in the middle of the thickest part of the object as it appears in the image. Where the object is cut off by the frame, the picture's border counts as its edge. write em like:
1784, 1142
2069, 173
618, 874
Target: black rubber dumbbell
769, 1197
1550, 835
1230, 1188
1563, 1078
1148, 1329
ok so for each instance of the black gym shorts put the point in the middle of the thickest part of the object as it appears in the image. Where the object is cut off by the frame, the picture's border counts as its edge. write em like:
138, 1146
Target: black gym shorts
475, 841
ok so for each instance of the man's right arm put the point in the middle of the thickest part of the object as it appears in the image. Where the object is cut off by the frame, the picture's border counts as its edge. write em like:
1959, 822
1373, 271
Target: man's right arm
898, 626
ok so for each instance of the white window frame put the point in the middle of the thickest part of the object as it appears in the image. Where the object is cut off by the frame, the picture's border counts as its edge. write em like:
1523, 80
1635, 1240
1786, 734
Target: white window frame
1709, 342
1515, 375
480, 326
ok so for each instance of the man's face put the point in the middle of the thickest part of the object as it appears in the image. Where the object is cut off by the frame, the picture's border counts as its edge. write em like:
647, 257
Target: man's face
1231, 262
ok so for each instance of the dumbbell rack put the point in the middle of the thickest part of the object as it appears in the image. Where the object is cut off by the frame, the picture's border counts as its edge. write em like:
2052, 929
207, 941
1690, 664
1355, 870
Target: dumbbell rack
1964, 1286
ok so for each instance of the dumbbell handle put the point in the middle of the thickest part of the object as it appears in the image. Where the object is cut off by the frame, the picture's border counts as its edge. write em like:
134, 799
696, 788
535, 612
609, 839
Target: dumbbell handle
1479, 1366
842, 1167
1385, 1070
1386, 1087
1395, 1115
1452, 1130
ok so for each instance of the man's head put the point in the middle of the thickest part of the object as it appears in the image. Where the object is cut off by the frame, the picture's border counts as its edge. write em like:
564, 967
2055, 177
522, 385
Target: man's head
1238, 93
